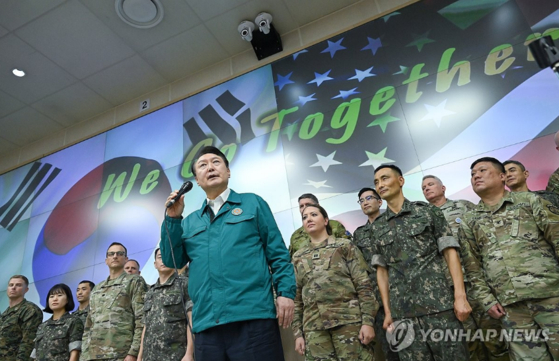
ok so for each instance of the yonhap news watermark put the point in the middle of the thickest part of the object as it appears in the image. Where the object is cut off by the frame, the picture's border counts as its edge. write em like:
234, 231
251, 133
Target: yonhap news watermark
401, 335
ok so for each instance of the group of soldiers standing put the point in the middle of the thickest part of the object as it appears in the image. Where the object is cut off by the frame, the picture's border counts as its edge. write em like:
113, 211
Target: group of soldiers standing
454, 266
118, 319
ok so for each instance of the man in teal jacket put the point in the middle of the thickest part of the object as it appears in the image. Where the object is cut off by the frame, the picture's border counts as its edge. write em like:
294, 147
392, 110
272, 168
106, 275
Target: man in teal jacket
232, 243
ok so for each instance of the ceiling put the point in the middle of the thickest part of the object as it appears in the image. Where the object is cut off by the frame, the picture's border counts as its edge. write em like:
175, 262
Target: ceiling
81, 59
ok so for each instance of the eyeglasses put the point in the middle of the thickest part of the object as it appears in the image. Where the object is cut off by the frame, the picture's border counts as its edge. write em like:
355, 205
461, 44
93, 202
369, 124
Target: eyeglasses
367, 198
119, 253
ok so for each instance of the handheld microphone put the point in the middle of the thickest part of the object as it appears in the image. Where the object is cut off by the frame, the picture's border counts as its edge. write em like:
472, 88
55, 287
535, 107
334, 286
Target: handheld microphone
185, 188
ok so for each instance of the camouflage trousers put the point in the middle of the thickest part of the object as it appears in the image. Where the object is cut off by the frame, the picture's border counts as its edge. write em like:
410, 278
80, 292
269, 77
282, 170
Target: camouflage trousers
532, 317
494, 349
425, 342
336, 344
380, 336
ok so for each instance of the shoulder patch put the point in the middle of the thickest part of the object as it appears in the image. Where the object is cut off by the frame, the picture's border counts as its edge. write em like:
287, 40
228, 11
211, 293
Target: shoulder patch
421, 203
552, 208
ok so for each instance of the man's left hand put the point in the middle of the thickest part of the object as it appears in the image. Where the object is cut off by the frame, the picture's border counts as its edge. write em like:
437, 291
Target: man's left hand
285, 307
130, 358
462, 308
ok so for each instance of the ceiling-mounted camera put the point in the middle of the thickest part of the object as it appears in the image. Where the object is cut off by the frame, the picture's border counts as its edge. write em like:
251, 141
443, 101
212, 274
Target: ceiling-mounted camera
245, 29
545, 53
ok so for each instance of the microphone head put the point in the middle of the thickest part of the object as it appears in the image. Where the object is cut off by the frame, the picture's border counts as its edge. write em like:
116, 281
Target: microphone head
188, 186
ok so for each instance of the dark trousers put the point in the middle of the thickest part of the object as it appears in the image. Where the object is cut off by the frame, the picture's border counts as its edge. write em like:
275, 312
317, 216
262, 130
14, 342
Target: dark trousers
253, 340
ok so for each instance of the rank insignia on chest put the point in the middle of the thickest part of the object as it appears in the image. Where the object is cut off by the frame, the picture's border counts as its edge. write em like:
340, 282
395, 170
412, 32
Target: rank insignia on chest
316, 256
236, 211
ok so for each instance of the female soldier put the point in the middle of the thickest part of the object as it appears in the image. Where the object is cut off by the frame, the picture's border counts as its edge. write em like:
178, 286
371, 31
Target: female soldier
60, 337
334, 305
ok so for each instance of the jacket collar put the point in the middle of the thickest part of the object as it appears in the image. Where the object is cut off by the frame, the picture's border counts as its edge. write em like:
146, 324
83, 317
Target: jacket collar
482, 207
406, 208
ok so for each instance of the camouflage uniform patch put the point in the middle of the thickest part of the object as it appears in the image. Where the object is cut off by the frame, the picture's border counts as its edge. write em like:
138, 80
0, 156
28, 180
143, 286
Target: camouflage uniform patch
528, 318
165, 320
300, 238
82, 314
494, 349
18, 326
361, 238
336, 344
551, 197
333, 288
553, 183
113, 328
56, 339
512, 251
443, 350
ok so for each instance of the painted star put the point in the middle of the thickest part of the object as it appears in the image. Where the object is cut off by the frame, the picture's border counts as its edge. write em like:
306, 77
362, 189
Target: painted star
295, 55
283, 81
304, 100
362, 74
321, 184
320, 78
383, 121
373, 46
421, 40
403, 70
333, 47
385, 18
344, 94
286, 159
377, 159
326, 162
437, 113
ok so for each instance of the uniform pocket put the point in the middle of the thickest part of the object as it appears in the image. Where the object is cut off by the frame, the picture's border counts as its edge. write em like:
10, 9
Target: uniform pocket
173, 308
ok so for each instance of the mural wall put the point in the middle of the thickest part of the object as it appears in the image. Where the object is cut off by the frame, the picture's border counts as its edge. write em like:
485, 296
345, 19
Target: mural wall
429, 88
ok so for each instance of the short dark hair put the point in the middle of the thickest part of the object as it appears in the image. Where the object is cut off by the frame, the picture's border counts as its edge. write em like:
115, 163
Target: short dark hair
308, 196
367, 189
209, 149
91, 284
324, 214
500, 167
21, 277
61, 288
158, 250
133, 260
118, 244
511, 161
391, 166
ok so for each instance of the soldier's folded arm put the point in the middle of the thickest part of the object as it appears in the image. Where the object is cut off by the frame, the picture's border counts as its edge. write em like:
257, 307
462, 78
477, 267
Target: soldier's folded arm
474, 270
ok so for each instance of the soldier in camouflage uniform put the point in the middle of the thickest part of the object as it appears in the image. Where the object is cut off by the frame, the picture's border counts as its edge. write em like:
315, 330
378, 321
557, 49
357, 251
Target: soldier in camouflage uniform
60, 337
19, 322
370, 203
166, 307
416, 256
454, 210
300, 238
511, 243
83, 293
334, 305
515, 179
113, 328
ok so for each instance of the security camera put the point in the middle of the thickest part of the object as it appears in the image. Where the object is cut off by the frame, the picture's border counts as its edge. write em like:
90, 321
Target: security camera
263, 20
245, 29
